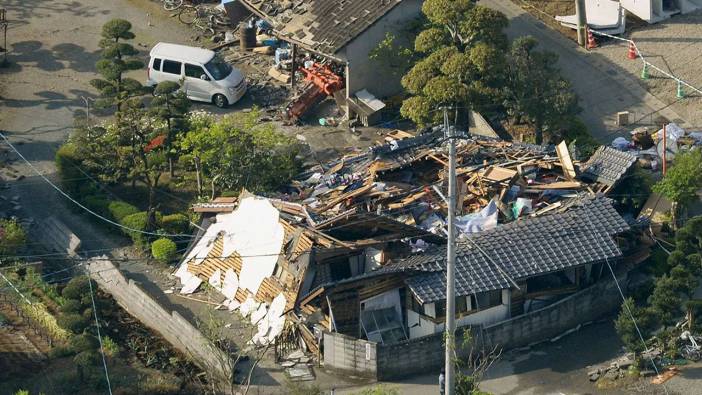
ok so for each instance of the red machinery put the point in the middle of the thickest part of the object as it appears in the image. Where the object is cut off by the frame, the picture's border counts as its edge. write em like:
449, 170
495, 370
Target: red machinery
322, 82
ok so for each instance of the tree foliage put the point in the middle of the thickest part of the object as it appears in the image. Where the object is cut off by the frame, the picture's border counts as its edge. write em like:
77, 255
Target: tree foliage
170, 104
626, 327
13, 237
536, 92
462, 60
117, 58
683, 179
239, 152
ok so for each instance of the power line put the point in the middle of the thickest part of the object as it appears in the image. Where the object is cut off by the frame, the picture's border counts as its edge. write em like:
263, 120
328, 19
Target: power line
59, 190
97, 325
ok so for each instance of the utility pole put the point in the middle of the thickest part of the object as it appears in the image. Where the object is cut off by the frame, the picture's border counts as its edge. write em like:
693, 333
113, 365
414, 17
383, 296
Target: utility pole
449, 376
665, 148
581, 16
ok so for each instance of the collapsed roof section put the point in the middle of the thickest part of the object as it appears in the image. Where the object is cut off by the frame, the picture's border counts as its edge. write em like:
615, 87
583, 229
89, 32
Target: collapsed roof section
324, 26
607, 165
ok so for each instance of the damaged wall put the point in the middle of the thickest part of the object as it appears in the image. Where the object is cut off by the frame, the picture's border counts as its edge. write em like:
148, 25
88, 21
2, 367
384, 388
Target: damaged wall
171, 325
363, 73
426, 354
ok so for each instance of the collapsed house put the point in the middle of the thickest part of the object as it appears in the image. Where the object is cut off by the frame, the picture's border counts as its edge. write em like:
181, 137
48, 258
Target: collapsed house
357, 246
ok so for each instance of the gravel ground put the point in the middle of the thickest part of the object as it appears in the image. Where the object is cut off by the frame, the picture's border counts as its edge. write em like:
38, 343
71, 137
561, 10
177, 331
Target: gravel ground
675, 46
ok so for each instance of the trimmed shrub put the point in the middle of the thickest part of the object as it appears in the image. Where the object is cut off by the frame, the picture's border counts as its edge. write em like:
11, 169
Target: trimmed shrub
73, 322
175, 223
84, 342
119, 209
67, 161
71, 306
76, 288
97, 203
60, 352
12, 237
163, 250
137, 221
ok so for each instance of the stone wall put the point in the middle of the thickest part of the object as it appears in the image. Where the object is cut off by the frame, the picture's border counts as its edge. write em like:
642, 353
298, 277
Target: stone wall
426, 354
172, 326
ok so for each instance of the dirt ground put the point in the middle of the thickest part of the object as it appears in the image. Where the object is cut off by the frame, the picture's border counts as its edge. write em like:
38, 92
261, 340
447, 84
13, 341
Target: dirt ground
673, 45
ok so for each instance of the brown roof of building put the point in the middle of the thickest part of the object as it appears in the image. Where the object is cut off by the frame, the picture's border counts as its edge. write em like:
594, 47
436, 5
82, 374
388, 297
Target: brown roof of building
325, 26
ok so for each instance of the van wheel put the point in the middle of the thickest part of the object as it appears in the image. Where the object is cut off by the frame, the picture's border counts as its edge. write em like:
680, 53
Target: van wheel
220, 100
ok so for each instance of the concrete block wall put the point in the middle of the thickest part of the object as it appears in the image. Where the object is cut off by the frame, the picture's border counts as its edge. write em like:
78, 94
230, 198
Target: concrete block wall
348, 355
172, 326
553, 320
426, 354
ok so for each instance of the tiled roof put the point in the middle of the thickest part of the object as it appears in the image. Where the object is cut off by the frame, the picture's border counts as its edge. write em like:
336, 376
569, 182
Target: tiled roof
522, 249
607, 165
322, 25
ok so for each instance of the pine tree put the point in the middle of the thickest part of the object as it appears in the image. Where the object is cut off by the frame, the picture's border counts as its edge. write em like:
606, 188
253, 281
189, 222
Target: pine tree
117, 58
170, 104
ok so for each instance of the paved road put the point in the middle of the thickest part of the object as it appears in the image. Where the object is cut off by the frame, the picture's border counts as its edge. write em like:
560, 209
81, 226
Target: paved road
603, 87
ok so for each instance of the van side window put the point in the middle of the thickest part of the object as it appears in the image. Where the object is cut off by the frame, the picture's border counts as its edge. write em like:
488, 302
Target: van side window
194, 71
157, 64
171, 67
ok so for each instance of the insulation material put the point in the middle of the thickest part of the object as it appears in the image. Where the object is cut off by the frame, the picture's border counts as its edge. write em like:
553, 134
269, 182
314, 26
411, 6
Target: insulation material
249, 306
258, 315
272, 324
231, 284
190, 285
254, 232
216, 279
232, 305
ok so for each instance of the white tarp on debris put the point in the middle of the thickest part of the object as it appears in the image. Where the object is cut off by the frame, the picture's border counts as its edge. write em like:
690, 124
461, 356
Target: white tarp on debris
484, 220
249, 306
254, 232
672, 132
190, 281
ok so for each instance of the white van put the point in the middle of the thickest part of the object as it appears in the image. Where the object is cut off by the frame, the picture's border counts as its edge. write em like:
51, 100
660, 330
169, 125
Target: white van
203, 74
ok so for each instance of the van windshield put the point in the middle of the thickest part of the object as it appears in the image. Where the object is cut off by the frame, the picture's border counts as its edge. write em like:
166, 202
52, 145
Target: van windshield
218, 68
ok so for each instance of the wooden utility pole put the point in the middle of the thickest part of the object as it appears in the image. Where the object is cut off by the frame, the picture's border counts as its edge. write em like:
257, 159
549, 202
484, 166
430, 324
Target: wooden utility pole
581, 16
293, 67
665, 148
449, 368
3, 30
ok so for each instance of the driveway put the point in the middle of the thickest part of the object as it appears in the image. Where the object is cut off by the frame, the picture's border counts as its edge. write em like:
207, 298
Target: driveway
603, 86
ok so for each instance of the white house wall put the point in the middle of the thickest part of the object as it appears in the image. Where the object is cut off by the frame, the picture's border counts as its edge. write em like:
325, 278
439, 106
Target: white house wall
362, 72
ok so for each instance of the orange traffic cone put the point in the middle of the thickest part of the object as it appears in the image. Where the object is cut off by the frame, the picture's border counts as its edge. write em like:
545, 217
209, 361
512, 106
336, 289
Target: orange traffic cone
632, 51
591, 43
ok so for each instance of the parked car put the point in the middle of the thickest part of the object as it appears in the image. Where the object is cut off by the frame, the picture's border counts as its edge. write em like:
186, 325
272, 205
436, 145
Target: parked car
203, 74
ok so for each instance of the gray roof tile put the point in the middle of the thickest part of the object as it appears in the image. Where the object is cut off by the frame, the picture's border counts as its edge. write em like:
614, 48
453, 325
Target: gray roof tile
522, 249
607, 165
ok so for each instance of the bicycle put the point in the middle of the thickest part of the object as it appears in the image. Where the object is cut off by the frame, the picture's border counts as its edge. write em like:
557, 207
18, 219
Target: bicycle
172, 5
204, 18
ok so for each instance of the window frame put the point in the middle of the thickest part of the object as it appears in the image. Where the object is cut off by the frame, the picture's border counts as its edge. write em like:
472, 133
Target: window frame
158, 61
163, 67
202, 71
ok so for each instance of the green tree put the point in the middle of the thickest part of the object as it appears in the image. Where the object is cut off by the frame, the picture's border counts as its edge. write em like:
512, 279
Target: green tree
682, 180
170, 104
462, 61
117, 58
666, 300
626, 328
13, 237
394, 57
536, 92
633, 190
239, 152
